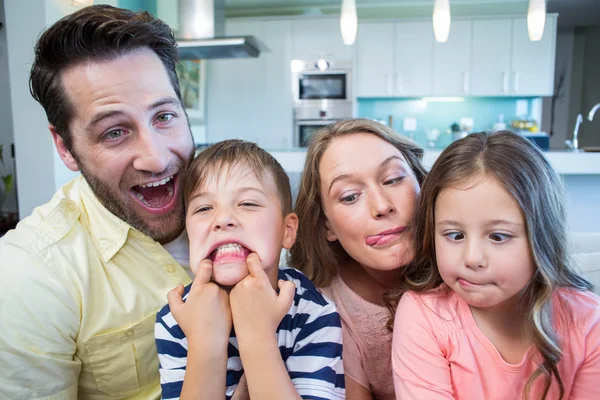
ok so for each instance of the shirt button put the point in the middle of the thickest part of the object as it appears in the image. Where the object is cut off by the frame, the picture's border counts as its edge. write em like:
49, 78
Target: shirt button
71, 207
129, 333
170, 269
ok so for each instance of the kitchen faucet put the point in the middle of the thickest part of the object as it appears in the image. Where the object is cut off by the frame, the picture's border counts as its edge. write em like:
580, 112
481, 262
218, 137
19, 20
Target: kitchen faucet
593, 111
576, 132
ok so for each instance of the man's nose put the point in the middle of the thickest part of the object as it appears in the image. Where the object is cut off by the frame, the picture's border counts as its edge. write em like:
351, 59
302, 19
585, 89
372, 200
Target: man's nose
152, 152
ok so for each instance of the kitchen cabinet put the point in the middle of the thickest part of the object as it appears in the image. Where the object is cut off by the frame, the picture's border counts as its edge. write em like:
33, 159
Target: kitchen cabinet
507, 63
394, 59
375, 60
251, 98
533, 62
313, 39
452, 61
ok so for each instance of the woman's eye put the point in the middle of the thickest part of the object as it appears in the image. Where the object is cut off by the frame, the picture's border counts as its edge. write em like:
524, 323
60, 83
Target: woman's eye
393, 181
499, 237
165, 117
455, 236
351, 198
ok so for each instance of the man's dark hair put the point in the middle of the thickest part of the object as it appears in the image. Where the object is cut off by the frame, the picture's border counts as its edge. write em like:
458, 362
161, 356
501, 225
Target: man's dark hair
94, 33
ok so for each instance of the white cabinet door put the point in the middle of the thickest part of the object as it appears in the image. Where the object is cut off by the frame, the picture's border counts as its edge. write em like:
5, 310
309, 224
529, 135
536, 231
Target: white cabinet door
452, 62
533, 62
491, 70
319, 38
413, 59
375, 60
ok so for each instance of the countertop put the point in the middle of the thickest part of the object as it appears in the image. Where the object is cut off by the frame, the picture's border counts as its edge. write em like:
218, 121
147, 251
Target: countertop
563, 162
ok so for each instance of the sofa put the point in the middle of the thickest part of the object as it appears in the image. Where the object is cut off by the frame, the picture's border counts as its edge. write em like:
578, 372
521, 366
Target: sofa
585, 250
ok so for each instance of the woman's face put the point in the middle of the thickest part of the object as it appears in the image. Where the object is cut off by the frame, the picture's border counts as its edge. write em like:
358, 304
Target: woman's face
368, 195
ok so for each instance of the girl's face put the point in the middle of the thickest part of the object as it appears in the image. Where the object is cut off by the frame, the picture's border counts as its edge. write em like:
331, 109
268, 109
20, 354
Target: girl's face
481, 243
368, 195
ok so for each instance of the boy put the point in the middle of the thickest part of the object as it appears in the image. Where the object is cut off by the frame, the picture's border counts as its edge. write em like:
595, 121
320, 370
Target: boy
287, 342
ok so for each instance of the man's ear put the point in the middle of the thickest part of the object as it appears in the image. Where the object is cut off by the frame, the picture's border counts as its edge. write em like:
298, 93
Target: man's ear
329, 234
291, 229
63, 152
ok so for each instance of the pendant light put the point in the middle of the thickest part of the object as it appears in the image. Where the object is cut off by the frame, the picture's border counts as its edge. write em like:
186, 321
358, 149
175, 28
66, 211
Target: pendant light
536, 19
348, 21
441, 20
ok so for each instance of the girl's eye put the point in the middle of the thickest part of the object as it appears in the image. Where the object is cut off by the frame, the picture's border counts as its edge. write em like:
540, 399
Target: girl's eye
499, 237
393, 181
349, 199
114, 134
165, 117
455, 236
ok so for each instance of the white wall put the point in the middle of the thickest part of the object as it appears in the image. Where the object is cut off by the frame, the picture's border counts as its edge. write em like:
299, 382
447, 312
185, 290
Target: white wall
39, 169
6, 128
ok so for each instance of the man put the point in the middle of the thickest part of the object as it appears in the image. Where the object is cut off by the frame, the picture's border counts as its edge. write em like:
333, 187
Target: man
81, 278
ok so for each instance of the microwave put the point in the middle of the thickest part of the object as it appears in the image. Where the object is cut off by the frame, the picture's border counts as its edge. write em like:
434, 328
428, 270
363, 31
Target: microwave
303, 129
321, 81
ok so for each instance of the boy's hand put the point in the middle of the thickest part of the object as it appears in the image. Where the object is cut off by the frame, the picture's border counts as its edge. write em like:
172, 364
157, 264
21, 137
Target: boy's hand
205, 316
256, 308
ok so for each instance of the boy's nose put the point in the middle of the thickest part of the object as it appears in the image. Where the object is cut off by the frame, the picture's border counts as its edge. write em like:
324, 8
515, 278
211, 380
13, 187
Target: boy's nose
223, 220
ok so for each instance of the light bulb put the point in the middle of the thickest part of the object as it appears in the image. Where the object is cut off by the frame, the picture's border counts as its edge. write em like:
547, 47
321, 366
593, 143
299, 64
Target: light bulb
348, 21
536, 19
441, 20
82, 3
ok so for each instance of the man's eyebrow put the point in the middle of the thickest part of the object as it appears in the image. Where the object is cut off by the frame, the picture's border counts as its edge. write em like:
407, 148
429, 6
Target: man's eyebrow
348, 176
109, 114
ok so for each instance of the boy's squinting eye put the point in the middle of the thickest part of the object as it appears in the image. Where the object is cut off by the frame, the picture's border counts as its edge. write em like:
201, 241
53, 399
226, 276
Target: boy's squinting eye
248, 204
201, 209
455, 236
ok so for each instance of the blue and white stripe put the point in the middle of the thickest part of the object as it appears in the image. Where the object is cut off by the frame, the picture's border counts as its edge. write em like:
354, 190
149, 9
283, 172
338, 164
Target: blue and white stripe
309, 338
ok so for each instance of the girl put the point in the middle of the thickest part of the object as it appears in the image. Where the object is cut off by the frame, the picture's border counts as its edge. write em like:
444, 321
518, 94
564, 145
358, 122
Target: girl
496, 310
355, 207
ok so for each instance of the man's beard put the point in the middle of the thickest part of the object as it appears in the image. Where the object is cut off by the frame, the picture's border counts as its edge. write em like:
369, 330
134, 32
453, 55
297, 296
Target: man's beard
169, 225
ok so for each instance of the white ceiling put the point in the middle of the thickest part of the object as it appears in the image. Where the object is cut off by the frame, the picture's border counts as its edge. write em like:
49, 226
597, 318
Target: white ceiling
571, 12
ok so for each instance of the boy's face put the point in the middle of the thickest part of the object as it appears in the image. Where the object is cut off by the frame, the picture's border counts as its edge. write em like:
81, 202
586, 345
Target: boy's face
233, 214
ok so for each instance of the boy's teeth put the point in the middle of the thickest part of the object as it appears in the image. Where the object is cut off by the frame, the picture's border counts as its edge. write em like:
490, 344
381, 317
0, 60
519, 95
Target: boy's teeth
157, 183
229, 249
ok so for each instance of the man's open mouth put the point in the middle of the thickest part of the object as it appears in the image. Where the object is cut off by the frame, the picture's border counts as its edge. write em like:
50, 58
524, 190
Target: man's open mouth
155, 194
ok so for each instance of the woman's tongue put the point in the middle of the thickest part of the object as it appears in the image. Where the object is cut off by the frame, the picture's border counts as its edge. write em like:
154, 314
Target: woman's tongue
154, 196
230, 253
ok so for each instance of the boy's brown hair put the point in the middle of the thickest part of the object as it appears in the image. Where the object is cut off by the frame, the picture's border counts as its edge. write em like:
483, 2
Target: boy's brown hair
229, 153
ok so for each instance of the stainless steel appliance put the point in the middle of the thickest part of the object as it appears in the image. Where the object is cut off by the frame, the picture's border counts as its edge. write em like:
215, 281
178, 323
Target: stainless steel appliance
322, 93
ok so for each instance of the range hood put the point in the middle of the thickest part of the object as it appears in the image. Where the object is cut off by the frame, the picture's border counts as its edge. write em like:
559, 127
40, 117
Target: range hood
202, 29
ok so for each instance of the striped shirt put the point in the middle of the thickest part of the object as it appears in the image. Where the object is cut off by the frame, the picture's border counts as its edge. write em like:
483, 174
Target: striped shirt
309, 338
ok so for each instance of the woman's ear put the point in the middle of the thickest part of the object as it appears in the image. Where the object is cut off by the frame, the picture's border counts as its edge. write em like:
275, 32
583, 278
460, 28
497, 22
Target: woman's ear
291, 229
329, 234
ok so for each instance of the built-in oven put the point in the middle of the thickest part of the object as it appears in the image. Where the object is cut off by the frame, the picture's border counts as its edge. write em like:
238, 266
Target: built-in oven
322, 94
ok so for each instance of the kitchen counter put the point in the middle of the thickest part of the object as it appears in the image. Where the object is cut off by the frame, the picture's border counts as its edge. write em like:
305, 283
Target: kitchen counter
563, 162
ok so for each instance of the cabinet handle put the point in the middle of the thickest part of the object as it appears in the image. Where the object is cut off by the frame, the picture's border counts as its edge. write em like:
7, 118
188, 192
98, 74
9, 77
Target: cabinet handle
504, 82
388, 83
399, 83
516, 82
465, 82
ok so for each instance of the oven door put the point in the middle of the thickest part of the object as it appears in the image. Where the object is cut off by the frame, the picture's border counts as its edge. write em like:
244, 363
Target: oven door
310, 86
305, 128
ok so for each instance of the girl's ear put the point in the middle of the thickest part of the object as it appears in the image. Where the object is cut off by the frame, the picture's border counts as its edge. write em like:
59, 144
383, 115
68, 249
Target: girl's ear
291, 229
329, 234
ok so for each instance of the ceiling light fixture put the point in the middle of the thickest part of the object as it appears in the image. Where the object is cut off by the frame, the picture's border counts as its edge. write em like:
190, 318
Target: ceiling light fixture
349, 21
536, 19
82, 3
441, 20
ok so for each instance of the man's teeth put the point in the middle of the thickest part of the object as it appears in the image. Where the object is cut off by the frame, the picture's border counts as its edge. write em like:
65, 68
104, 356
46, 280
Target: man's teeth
157, 183
143, 200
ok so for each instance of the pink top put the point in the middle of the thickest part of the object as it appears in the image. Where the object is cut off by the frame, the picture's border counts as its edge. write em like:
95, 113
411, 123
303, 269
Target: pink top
367, 341
439, 352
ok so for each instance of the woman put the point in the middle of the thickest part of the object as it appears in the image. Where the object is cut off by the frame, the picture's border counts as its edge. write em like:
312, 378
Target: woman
355, 206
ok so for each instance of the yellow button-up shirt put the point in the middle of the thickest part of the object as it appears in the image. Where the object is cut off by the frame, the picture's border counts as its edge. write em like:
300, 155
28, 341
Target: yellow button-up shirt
79, 291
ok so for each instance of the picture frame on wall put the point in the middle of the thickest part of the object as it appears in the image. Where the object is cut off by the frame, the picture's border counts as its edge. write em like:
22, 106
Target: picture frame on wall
192, 82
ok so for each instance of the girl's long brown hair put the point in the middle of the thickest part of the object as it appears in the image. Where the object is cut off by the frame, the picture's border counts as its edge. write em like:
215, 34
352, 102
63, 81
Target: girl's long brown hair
312, 253
526, 174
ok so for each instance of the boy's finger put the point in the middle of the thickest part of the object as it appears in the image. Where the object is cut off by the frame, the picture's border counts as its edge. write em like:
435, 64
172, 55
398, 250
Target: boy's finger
203, 272
287, 291
255, 267
175, 298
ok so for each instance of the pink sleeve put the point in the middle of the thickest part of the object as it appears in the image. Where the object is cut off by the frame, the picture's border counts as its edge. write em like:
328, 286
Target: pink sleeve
420, 369
353, 366
585, 384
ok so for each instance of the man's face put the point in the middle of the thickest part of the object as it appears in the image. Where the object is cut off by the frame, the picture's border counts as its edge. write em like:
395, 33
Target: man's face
131, 140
